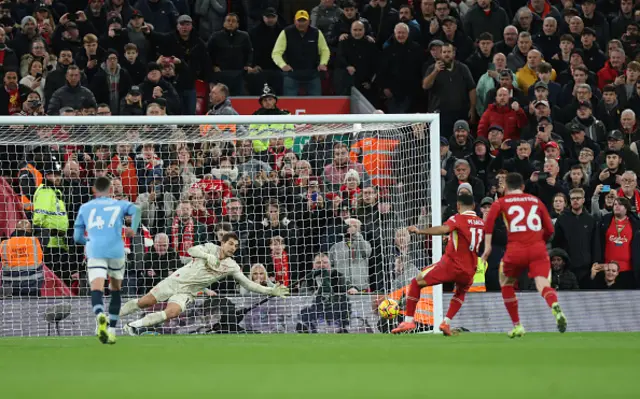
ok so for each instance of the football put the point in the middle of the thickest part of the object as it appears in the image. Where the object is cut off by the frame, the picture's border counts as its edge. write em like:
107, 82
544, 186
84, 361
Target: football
388, 309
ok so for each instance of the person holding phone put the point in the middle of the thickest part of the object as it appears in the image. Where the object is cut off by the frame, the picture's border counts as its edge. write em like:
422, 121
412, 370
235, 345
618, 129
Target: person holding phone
35, 79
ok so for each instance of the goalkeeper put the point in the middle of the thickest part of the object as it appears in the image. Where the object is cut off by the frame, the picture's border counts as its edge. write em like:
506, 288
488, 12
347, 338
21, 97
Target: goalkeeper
210, 263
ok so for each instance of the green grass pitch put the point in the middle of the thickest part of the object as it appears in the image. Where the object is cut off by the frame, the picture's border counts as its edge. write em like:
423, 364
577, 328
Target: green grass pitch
540, 366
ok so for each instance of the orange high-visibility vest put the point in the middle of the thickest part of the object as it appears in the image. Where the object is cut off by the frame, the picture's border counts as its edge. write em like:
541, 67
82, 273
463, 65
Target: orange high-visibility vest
377, 158
424, 309
37, 176
21, 254
205, 129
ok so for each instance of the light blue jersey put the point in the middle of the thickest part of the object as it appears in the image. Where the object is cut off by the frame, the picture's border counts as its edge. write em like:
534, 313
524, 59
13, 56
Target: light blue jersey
103, 218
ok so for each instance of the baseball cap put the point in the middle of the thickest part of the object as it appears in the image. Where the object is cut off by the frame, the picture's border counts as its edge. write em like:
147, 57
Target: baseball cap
70, 25
486, 201
611, 152
436, 43
449, 19
505, 73
615, 135
588, 31
552, 144
589, 1
302, 14
269, 12
135, 90
444, 141
465, 186
496, 127
114, 20
540, 84
541, 102
461, 125
570, 11
578, 51
154, 66
545, 118
136, 14
585, 104
184, 18
575, 127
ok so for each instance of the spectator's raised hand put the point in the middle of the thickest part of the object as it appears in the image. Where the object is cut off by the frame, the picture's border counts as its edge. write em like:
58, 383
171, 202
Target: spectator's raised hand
595, 269
604, 175
351, 70
352, 291
598, 189
146, 29
287, 68
81, 16
64, 19
515, 106
534, 177
551, 181
434, 26
620, 80
506, 145
157, 92
322, 68
343, 36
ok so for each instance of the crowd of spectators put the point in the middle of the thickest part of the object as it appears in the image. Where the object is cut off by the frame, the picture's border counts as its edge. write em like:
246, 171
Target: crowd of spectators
548, 89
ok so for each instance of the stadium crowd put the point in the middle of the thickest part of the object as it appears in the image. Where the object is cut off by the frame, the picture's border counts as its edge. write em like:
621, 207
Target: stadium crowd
548, 89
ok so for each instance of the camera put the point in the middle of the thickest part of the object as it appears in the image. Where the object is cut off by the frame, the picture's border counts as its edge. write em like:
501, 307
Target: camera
543, 175
71, 17
35, 103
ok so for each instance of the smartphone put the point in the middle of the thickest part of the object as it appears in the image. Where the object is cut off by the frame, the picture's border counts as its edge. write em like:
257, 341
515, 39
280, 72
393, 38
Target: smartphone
606, 188
314, 196
38, 75
543, 176
541, 129
491, 67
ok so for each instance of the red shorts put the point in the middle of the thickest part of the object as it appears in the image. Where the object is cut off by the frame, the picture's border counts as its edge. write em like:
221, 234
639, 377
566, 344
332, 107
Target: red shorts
535, 258
448, 272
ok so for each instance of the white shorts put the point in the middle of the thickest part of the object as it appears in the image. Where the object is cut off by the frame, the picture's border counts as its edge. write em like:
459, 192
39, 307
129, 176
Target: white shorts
102, 267
168, 290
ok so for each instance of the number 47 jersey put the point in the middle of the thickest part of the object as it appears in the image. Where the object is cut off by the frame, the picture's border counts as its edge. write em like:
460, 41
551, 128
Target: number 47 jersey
102, 219
526, 218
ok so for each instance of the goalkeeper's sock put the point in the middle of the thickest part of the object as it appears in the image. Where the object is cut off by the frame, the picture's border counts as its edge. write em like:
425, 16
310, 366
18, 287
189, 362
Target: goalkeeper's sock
129, 307
114, 308
96, 302
455, 305
549, 295
413, 296
511, 303
150, 320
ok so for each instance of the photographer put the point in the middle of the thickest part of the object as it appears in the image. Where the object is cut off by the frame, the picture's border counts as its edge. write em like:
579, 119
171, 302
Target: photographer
35, 77
546, 184
611, 175
33, 105
71, 28
116, 37
604, 275
89, 58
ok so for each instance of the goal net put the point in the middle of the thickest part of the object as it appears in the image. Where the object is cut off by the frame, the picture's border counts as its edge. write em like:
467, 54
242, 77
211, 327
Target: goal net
320, 204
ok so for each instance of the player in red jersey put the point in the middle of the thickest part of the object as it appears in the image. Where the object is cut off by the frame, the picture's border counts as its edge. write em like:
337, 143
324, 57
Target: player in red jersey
458, 265
529, 227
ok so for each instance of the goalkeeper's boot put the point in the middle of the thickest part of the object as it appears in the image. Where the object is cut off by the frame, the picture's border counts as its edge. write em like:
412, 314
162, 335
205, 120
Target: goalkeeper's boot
518, 331
561, 319
446, 330
102, 323
405, 326
129, 330
111, 336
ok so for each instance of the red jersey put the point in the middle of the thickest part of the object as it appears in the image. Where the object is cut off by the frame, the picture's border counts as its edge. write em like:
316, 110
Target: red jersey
467, 232
526, 217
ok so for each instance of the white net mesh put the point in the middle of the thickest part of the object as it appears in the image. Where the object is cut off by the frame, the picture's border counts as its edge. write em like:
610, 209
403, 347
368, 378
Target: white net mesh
346, 191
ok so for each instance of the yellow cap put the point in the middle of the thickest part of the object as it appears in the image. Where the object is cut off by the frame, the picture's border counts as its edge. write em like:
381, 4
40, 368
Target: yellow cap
302, 14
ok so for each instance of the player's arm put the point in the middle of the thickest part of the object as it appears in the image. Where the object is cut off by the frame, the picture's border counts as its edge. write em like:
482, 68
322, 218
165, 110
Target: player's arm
79, 229
431, 231
277, 290
136, 216
489, 224
203, 251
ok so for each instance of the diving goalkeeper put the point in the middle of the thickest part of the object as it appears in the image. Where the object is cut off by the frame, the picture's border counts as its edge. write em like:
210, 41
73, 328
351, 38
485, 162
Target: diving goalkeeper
210, 263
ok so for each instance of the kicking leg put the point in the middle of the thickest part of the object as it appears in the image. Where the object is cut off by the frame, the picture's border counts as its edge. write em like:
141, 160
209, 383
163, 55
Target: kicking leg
413, 296
551, 297
454, 307
511, 303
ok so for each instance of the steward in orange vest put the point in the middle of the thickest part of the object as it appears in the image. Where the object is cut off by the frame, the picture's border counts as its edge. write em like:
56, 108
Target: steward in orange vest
21, 257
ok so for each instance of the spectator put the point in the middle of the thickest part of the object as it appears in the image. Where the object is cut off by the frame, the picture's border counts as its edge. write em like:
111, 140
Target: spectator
8, 58
461, 142
629, 190
593, 128
33, 105
620, 242
155, 87
559, 207
131, 104
122, 8
478, 62
525, 21
462, 171
90, 56
460, 41
301, 52
330, 289
116, 37
383, 18
551, 185
185, 231
35, 79
324, 15
547, 41
335, 172
162, 14
11, 94
612, 174
57, 78
579, 140
545, 73
510, 118
598, 211
212, 14
22, 261
629, 85
97, 15
158, 263
220, 102
264, 37
72, 94
452, 90
518, 56
492, 80
343, 26
629, 129
399, 73
133, 64
112, 83
508, 42
577, 233
231, 54
562, 278
278, 262
38, 52
605, 276
563, 59
609, 109
356, 63
622, 18
350, 256
596, 22
485, 16
257, 274
23, 38
613, 69
69, 34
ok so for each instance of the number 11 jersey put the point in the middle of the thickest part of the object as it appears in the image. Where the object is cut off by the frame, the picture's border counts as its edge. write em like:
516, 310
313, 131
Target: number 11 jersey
102, 219
467, 232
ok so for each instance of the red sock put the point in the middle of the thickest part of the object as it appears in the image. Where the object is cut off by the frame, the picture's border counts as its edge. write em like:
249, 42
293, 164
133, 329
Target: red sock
413, 296
511, 303
455, 305
550, 295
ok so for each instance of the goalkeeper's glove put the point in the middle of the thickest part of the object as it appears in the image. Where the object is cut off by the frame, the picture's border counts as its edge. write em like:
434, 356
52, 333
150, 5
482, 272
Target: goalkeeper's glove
279, 290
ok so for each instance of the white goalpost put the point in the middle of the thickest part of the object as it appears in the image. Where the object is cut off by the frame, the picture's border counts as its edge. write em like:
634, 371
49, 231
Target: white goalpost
320, 203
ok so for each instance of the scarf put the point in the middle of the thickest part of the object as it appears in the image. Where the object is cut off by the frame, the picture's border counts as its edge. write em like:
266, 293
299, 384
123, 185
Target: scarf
113, 81
635, 203
281, 268
182, 246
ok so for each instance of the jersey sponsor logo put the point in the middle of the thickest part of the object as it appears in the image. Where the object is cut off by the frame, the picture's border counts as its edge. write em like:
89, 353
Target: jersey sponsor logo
618, 240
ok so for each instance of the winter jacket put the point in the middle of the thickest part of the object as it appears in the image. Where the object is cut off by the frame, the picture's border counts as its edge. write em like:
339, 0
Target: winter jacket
382, 20
548, 45
485, 85
230, 50
511, 121
561, 280
343, 25
104, 81
607, 75
476, 21
68, 96
593, 128
400, 69
527, 77
361, 54
57, 79
323, 17
478, 64
352, 260
162, 15
212, 14
580, 237
169, 94
263, 39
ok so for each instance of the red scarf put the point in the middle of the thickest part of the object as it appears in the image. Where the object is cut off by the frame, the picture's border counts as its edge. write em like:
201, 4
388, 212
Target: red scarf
182, 246
281, 267
635, 203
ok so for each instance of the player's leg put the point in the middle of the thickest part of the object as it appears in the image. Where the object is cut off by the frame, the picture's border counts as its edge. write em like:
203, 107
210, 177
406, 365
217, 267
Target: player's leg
432, 275
115, 270
176, 305
462, 287
540, 271
97, 274
159, 293
508, 277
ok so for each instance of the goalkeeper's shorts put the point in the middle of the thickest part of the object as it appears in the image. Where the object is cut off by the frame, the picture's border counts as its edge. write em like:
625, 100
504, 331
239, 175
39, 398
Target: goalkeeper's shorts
168, 290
